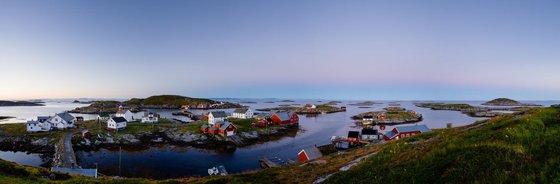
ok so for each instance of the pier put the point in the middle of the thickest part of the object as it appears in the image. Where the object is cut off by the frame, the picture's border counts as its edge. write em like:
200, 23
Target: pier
65, 158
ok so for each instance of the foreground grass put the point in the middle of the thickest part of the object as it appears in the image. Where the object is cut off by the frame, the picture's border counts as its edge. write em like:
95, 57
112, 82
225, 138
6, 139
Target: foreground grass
516, 148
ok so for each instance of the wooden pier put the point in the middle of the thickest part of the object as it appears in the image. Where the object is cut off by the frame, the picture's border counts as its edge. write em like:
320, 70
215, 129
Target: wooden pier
272, 162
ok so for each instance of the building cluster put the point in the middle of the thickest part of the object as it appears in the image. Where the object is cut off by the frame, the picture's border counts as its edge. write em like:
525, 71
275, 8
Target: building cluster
123, 116
218, 124
59, 121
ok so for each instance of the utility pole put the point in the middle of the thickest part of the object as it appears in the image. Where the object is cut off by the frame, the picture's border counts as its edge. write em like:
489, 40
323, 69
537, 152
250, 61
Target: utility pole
120, 159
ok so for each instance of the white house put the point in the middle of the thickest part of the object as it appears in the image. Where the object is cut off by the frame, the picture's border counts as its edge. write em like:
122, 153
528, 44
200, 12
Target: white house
242, 113
149, 118
369, 134
216, 116
116, 123
126, 114
62, 121
34, 126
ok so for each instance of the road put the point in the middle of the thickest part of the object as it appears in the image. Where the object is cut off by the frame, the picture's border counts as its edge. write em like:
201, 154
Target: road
69, 156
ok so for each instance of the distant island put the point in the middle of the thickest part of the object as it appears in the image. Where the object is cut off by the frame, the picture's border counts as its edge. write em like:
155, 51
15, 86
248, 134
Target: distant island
366, 103
5, 117
155, 102
4, 103
388, 116
473, 111
507, 102
307, 109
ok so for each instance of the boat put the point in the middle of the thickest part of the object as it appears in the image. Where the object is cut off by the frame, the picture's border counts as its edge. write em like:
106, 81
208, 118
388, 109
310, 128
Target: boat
220, 170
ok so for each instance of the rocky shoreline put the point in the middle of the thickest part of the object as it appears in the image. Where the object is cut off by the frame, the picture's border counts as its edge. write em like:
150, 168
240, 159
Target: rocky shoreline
4, 103
43, 146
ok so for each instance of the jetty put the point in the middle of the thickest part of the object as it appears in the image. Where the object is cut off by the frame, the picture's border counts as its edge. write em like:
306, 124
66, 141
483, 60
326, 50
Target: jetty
235, 139
65, 158
272, 162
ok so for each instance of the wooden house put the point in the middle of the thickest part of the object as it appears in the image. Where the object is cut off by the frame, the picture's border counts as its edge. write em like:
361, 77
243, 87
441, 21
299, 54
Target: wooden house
284, 117
308, 154
405, 131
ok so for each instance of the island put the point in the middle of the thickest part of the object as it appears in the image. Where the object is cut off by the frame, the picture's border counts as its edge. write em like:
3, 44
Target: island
366, 103
307, 109
5, 117
4, 103
154, 102
473, 111
507, 102
388, 116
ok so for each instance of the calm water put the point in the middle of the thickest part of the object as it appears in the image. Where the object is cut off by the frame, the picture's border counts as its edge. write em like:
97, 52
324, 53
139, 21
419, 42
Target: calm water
172, 161
23, 158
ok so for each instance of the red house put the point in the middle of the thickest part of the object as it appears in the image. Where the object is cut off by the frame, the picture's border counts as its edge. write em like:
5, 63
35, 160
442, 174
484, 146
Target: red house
405, 131
226, 128
284, 117
353, 136
308, 154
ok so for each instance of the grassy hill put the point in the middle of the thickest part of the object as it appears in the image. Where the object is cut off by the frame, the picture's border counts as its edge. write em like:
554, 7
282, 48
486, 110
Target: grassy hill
516, 148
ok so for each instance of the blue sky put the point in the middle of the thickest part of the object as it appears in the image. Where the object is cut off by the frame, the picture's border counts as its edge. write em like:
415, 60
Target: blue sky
469, 50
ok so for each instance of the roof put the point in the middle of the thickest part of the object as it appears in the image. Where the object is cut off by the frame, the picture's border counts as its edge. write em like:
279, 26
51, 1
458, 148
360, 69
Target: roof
218, 114
225, 125
353, 134
66, 116
85, 131
284, 115
369, 131
43, 117
147, 114
312, 153
213, 128
32, 122
368, 117
204, 126
118, 119
390, 134
122, 111
413, 128
83, 172
104, 115
262, 115
241, 110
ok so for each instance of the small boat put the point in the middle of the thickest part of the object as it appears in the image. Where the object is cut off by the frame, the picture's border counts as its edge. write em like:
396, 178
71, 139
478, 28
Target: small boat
220, 170
213, 171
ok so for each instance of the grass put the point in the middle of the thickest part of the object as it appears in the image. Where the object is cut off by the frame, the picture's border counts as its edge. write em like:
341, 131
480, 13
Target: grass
243, 125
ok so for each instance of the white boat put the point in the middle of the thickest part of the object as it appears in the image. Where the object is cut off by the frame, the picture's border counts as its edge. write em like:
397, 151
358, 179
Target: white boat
220, 170
213, 171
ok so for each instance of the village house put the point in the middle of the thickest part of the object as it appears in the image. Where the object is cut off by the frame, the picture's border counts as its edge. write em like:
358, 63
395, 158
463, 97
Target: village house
226, 128
353, 136
34, 126
43, 119
367, 118
381, 116
103, 117
284, 117
116, 123
150, 117
369, 134
62, 121
86, 134
242, 113
308, 154
216, 116
126, 114
310, 106
405, 131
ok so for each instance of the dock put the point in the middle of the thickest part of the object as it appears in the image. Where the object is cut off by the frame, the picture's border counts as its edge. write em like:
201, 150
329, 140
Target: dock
272, 162
235, 139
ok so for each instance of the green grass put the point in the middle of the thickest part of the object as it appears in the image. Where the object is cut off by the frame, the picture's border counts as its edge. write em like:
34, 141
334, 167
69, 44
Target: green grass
243, 125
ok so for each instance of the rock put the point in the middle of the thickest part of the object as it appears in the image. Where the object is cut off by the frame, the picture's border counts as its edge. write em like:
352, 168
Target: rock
110, 140
251, 135
40, 142
129, 138
97, 142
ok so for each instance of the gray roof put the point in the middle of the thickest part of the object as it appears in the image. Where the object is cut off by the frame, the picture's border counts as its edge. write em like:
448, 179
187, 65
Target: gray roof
66, 116
219, 114
83, 172
43, 117
32, 122
313, 153
421, 128
262, 115
353, 134
204, 126
284, 115
118, 119
241, 110
225, 125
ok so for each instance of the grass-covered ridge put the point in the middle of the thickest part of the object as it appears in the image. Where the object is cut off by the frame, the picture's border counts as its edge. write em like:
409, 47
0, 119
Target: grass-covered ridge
522, 148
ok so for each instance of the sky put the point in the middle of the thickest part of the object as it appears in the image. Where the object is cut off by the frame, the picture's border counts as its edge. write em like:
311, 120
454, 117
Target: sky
384, 50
